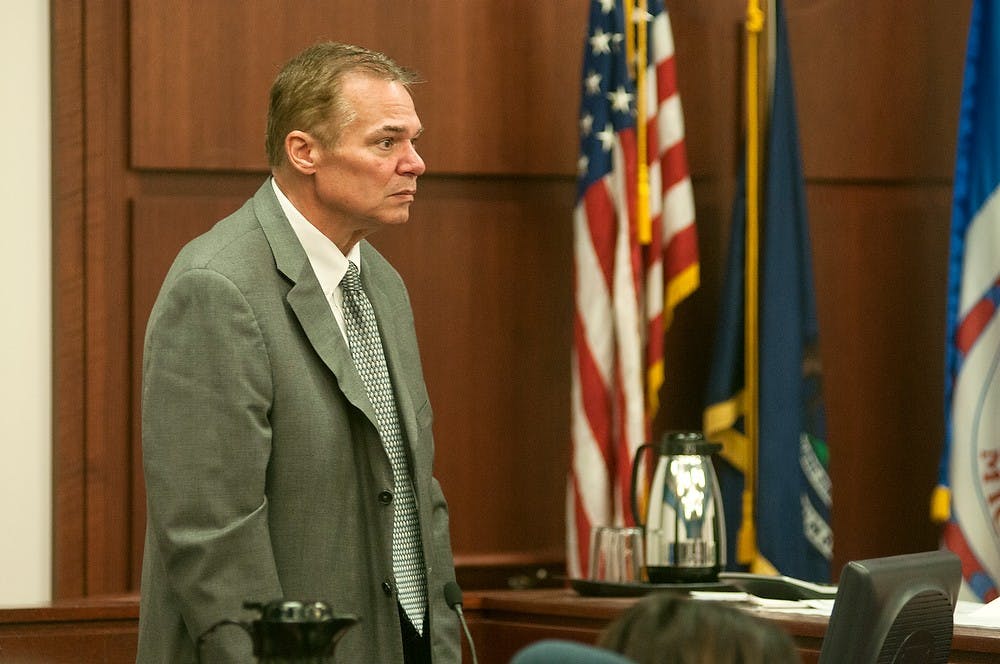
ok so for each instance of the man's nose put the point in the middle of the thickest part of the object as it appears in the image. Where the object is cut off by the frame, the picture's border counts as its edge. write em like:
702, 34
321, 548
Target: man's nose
412, 163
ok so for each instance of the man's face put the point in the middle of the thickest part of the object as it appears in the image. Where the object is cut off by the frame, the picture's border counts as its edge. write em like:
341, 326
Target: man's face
368, 178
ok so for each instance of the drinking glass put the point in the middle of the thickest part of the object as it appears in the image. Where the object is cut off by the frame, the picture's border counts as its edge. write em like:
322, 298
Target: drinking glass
616, 554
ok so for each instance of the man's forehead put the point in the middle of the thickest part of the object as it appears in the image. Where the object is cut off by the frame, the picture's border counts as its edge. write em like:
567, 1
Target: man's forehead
391, 128
382, 104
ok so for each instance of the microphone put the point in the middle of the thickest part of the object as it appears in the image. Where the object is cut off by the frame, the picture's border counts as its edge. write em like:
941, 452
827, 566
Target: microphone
453, 596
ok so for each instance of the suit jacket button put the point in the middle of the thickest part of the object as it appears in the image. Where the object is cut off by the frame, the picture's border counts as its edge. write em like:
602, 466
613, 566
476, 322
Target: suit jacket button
385, 497
387, 588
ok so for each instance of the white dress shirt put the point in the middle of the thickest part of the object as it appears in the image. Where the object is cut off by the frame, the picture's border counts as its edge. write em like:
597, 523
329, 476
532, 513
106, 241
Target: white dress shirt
328, 262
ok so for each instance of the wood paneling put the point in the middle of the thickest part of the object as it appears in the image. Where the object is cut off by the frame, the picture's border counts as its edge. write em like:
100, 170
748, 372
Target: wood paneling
102, 630
496, 77
68, 189
878, 86
881, 256
92, 464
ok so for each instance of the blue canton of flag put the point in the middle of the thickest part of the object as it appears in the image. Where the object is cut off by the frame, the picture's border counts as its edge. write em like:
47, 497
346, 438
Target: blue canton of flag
607, 105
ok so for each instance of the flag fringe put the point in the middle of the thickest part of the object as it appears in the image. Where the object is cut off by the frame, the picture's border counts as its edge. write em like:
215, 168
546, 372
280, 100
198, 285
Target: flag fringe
746, 542
941, 504
678, 288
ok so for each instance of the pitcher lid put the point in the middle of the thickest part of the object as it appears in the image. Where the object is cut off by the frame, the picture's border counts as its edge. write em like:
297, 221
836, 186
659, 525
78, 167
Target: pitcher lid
688, 442
294, 611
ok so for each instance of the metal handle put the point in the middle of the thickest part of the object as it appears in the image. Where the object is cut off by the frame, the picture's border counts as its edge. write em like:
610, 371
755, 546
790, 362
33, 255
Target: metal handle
204, 635
633, 492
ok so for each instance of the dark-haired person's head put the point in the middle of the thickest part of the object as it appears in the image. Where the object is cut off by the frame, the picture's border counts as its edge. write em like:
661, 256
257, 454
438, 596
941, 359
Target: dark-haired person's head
664, 628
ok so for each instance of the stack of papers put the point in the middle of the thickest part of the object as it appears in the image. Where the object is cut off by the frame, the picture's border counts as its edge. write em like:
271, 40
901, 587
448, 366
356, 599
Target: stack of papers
967, 614
973, 614
818, 607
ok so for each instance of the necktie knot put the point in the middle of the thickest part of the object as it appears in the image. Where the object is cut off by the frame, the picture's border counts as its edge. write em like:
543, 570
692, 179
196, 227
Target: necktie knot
352, 279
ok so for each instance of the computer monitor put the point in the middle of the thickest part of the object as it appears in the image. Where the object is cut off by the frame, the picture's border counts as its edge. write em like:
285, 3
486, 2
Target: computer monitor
894, 610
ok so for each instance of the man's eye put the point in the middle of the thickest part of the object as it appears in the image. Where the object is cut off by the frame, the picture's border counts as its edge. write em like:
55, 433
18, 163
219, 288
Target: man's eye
387, 143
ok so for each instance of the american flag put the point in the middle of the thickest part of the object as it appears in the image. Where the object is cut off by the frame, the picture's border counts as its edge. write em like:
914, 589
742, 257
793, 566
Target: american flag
625, 288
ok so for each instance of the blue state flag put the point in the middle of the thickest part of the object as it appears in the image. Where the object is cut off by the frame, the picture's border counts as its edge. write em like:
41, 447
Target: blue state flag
968, 496
792, 496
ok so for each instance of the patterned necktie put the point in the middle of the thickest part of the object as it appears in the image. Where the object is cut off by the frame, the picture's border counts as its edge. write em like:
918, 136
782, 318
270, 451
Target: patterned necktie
366, 350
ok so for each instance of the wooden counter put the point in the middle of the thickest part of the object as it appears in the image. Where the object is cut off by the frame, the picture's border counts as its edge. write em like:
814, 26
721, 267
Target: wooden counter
104, 630
503, 622
100, 630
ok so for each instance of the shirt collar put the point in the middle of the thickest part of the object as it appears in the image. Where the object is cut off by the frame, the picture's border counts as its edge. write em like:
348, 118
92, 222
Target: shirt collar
328, 262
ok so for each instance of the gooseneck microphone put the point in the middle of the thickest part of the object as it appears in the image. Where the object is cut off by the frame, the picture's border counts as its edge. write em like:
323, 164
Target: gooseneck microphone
453, 596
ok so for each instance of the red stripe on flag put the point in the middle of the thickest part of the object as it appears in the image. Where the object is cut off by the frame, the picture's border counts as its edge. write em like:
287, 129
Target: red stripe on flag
666, 79
954, 540
600, 211
652, 142
627, 140
673, 165
681, 252
593, 391
654, 348
973, 325
582, 522
618, 467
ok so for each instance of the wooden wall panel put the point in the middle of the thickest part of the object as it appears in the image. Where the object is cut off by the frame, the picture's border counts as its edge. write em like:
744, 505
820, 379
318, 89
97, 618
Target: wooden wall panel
878, 86
107, 468
487, 108
881, 256
68, 321
161, 225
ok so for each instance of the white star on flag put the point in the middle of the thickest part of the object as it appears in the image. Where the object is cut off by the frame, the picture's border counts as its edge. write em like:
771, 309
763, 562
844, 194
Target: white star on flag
600, 41
621, 99
593, 83
607, 137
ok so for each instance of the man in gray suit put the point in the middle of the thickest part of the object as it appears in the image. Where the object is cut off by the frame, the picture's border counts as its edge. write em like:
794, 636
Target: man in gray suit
270, 470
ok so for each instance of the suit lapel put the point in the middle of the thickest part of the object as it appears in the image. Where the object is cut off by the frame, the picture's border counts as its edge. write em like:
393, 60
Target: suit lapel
307, 300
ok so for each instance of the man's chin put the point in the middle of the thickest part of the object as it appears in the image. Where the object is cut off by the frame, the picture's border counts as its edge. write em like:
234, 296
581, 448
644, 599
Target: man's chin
396, 219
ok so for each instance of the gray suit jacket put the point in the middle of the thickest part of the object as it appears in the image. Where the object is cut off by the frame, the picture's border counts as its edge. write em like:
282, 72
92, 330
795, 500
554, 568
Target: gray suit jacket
262, 462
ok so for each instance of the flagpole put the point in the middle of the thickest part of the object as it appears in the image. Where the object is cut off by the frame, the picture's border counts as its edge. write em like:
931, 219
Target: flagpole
639, 25
746, 546
636, 53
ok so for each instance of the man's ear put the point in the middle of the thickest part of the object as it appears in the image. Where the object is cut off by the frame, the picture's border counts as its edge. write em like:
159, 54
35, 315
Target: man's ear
301, 151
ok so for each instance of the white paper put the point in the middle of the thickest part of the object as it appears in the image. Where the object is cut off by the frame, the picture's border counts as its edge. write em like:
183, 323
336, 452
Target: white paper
747, 598
973, 614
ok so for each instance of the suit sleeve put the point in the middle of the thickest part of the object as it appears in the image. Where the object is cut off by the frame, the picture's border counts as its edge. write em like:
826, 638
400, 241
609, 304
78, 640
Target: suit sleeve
206, 398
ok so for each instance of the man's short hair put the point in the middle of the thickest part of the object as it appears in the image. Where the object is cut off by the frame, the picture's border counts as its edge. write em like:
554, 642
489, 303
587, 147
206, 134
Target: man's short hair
306, 95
